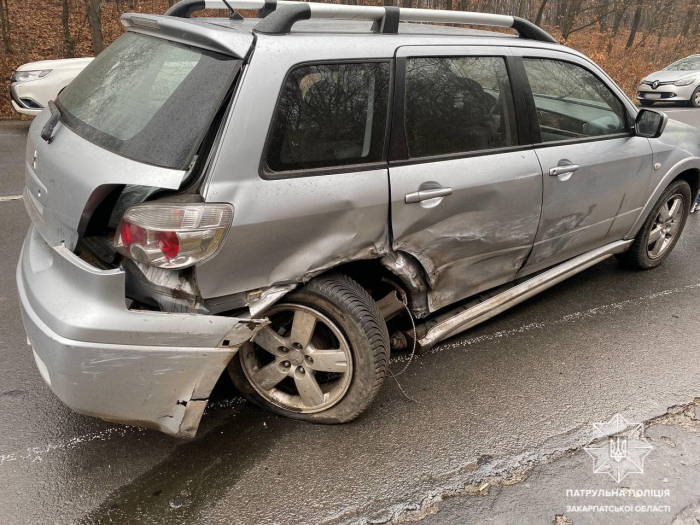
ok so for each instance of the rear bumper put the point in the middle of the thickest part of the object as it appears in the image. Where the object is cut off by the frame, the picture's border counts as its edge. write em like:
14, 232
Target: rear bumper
141, 368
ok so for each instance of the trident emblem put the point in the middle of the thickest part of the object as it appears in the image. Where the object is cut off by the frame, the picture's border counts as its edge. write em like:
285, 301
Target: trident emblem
618, 448
623, 449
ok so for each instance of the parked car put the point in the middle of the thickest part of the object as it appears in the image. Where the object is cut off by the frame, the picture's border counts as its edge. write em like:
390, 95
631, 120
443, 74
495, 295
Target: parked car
33, 84
678, 82
217, 194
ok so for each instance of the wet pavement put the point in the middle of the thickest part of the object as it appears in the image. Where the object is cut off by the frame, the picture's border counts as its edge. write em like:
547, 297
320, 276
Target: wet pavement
508, 404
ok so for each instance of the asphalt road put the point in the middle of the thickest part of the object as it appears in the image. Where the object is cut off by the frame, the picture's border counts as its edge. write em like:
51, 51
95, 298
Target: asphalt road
492, 434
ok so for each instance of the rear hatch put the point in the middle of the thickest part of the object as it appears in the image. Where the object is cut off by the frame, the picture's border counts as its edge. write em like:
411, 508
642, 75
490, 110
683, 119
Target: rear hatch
136, 115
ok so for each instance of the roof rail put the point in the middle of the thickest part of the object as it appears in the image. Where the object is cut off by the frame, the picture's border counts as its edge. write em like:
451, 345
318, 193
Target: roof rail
280, 15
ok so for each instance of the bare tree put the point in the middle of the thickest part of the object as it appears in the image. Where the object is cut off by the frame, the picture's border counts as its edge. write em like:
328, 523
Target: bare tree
620, 7
522, 12
540, 12
94, 16
5, 25
67, 38
690, 21
568, 12
635, 24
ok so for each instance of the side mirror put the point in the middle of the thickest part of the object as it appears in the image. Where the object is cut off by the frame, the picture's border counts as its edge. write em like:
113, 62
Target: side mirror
650, 123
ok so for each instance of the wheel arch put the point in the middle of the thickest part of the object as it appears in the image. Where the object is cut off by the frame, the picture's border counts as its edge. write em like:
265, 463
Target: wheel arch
688, 170
378, 275
381, 275
692, 177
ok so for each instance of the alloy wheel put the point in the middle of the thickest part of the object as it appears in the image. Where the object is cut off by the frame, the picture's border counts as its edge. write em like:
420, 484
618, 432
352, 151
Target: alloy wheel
300, 362
665, 227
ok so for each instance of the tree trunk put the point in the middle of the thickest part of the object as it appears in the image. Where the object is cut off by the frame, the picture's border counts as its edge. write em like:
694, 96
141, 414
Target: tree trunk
667, 10
522, 12
5, 26
635, 24
689, 19
67, 38
566, 23
540, 12
617, 21
95, 22
448, 5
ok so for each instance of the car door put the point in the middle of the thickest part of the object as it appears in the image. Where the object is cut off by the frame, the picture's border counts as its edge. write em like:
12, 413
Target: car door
466, 186
595, 171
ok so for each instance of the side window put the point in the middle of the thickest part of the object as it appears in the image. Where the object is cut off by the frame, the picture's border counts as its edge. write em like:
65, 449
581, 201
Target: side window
458, 105
572, 102
330, 115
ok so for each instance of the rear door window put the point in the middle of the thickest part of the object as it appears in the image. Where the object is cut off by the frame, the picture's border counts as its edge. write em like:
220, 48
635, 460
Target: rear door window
330, 115
148, 99
572, 103
458, 105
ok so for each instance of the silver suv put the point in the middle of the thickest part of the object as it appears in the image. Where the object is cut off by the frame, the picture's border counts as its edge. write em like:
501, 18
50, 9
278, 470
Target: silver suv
288, 197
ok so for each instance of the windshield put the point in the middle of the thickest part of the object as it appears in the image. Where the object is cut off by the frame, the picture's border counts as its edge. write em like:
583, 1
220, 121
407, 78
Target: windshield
148, 99
685, 64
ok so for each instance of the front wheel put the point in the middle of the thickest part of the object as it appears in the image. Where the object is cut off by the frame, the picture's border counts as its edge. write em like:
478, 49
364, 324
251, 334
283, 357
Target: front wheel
694, 101
661, 230
322, 358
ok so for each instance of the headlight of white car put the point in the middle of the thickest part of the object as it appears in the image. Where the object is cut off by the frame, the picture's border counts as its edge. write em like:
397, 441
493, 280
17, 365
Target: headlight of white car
26, 76
685, 81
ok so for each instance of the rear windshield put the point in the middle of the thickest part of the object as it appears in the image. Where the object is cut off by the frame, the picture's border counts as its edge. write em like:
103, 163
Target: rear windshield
148, 99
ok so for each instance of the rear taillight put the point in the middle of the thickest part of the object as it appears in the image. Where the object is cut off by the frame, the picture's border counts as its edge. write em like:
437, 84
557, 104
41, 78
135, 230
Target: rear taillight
172, 235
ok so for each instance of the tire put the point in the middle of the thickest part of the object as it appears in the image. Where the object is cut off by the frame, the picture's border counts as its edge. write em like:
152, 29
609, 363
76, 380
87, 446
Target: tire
646, 103
641, 254
356, 328
694, 101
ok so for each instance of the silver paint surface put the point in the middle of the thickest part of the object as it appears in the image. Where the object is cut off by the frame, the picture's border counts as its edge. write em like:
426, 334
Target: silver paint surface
101, 359
479, 236
61, 177
286, 231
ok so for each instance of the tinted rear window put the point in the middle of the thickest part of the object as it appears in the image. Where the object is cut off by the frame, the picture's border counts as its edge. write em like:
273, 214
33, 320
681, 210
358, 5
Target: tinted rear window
148, 99
330, 115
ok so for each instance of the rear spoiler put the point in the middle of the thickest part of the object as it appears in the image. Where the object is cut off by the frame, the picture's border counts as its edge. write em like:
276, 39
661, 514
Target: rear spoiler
196, 33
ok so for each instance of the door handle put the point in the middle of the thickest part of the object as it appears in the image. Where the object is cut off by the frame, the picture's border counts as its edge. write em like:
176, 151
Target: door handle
562, 170
424, 195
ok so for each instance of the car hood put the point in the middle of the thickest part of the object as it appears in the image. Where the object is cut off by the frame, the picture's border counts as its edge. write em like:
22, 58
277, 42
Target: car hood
55, 64
665, 76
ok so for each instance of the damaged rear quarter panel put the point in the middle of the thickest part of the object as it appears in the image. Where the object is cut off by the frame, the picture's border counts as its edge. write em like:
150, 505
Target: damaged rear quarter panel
289, 229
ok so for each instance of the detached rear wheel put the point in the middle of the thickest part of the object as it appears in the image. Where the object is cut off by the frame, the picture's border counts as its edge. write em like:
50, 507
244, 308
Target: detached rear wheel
663, 227
323, 357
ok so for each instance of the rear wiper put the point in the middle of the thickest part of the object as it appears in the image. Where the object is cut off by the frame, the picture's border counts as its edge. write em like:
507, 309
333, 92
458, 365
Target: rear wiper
47, 132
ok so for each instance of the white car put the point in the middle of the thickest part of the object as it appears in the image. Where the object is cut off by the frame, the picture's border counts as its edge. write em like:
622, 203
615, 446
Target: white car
33, 84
